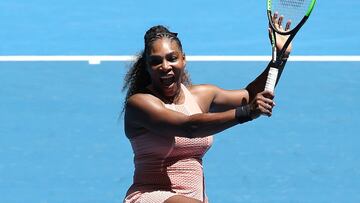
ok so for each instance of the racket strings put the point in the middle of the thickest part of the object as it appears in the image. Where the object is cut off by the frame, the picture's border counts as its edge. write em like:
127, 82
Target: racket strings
293, 10
292, 3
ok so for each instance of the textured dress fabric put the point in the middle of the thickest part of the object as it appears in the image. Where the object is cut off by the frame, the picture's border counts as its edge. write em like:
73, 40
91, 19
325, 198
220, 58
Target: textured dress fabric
169, 165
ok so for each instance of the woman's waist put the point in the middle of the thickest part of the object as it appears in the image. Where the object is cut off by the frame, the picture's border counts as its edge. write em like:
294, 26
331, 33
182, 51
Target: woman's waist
167, 172
169, 164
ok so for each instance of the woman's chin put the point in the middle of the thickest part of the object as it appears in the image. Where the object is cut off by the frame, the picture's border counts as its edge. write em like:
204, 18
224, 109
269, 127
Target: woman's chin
170, 90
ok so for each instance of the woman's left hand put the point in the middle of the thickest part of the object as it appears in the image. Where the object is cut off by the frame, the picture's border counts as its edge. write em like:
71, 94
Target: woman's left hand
281, 39
262, 104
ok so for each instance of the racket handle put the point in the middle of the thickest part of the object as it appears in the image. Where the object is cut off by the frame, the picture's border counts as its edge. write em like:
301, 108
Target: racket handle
271, 79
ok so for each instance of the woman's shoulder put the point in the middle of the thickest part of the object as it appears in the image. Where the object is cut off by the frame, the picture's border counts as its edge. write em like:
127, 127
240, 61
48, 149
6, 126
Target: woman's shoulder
202, 89
143, 99
142, 95
204, 94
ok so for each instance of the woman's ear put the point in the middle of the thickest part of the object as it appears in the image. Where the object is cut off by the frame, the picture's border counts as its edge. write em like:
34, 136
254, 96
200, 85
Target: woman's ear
184, 58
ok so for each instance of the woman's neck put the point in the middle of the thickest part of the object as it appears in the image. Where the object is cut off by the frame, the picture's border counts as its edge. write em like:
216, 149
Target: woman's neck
178, 97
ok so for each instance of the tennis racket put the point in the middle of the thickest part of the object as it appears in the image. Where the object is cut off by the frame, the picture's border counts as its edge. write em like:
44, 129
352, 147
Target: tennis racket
295, 12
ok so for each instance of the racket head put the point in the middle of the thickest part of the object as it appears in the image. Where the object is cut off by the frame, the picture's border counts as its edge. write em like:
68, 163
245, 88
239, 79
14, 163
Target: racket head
297, 11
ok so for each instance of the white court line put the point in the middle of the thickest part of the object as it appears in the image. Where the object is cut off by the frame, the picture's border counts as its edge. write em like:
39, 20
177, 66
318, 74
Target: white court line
99, 59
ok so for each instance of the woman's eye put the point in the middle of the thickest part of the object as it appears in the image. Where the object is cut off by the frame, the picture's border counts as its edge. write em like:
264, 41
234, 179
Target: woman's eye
172, 58
154, 61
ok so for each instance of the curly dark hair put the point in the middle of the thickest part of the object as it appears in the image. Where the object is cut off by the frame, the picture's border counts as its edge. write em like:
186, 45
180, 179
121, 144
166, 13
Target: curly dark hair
137, 78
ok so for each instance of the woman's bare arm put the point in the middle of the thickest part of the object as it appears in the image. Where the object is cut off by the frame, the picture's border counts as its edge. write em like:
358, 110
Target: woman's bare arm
147, 111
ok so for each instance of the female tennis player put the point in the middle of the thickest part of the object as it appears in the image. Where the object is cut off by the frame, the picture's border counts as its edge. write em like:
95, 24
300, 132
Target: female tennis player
170, 122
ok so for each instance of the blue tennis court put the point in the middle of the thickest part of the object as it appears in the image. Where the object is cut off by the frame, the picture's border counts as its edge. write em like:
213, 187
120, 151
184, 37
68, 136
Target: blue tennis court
61, 130
62, 138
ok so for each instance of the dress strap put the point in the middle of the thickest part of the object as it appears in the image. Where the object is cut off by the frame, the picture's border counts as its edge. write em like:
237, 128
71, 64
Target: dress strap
190, 101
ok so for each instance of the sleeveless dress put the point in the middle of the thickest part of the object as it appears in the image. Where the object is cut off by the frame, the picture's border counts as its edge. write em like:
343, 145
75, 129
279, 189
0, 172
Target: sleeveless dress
169, 165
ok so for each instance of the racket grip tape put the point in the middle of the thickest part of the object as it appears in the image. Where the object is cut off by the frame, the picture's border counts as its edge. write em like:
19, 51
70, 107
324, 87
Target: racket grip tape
271, 79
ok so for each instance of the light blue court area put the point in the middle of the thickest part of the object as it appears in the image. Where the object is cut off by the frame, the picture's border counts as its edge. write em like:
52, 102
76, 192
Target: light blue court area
116, 27
62, 138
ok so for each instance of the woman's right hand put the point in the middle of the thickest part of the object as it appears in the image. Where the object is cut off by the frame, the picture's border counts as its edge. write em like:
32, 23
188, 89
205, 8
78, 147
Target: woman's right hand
262, 104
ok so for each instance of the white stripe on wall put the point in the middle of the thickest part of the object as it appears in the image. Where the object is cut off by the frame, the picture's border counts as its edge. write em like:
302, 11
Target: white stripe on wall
99, 59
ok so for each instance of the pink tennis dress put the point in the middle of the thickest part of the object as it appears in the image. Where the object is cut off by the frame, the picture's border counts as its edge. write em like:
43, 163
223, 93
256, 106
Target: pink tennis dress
168, 166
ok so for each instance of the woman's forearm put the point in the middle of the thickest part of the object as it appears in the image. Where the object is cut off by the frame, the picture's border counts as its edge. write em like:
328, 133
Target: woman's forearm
205, 124
258, 85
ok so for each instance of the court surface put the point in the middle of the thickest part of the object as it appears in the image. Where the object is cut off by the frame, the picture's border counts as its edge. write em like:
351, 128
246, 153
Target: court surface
61, 129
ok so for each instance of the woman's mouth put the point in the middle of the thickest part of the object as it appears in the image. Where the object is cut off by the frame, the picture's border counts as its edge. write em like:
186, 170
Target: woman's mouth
167, 80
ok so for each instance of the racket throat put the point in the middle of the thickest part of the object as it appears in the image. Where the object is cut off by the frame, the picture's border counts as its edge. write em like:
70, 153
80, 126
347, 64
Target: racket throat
274, 54
273, 46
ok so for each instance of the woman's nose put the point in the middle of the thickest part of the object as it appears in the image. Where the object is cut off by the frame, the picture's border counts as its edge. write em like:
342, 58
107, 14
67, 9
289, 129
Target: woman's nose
165, 65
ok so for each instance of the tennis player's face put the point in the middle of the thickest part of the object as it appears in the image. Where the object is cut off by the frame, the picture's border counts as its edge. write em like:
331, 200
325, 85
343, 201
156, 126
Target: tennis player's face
166, 64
